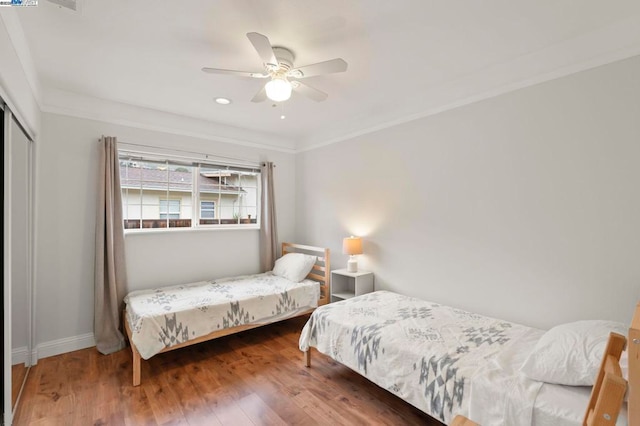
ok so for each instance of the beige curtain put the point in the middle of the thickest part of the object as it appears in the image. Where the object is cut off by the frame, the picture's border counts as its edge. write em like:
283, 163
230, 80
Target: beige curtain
268, 229
110, 271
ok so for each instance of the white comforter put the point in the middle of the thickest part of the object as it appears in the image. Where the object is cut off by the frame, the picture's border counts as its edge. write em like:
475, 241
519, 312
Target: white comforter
168, 316
425, 353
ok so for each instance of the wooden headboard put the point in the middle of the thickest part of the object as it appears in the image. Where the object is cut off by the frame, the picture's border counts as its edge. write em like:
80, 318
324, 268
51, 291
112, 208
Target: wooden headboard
321, 271
633, 348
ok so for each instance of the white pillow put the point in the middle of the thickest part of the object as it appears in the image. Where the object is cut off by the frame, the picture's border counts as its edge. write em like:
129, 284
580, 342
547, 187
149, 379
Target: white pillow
624, 364
570, 354
294, 266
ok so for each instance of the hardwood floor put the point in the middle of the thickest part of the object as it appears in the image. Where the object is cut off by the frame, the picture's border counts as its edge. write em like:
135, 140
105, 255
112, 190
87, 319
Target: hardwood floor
252, 378
18, 372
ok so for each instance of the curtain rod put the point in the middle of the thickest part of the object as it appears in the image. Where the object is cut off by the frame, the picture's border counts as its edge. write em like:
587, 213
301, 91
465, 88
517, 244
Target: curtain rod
247, 162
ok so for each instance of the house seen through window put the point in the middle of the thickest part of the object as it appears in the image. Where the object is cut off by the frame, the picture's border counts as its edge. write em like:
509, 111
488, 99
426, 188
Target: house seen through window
172, 194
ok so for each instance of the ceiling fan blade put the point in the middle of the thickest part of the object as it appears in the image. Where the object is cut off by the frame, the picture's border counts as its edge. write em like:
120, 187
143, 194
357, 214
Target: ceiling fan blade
234, 72
263, 47
326, 67
308, 91
261, 96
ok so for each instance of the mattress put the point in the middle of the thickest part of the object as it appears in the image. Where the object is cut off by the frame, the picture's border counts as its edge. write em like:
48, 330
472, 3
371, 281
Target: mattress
168, 316
565, 406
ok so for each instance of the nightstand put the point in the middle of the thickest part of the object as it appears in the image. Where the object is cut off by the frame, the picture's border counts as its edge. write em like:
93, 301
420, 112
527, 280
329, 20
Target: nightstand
345, 285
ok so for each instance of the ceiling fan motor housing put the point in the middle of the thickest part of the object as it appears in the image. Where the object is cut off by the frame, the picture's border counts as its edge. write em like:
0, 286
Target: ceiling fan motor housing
285, 59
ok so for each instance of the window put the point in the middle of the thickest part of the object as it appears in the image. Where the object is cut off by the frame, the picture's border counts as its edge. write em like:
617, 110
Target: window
167, 194
234, 192
207, 210
169, 209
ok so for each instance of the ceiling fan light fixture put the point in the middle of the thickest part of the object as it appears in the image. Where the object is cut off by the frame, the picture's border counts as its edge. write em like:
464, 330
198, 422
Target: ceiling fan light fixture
278, 89
278, 68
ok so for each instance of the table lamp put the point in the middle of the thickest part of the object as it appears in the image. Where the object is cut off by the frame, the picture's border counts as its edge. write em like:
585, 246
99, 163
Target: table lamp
352, 246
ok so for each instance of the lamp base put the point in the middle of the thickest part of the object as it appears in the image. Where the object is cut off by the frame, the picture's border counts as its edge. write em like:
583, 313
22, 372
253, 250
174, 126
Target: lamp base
352, 264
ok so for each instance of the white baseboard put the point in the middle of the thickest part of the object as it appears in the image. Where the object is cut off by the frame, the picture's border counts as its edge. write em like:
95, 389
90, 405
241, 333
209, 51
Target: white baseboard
68, 344
19, 355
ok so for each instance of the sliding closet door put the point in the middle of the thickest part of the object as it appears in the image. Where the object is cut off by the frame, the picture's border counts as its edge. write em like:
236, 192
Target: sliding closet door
6, 334
16, 265
20, 236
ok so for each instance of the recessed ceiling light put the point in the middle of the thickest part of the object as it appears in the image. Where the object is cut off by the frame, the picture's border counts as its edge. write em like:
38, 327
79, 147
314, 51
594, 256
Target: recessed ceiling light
223, 101
282, 117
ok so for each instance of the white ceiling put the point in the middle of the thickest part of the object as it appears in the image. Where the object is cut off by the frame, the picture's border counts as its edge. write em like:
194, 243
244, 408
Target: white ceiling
407, 58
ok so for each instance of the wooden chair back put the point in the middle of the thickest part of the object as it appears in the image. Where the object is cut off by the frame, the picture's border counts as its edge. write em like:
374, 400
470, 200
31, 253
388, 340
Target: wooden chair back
608, 391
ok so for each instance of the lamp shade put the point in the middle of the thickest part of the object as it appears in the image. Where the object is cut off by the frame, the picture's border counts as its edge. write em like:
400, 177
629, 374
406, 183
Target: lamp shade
278, 89
352, 245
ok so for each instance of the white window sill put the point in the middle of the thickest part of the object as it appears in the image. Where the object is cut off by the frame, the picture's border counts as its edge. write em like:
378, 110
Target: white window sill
146, 231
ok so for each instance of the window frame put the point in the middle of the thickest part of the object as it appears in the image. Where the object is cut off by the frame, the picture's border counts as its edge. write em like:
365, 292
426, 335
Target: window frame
126, 156
212, 209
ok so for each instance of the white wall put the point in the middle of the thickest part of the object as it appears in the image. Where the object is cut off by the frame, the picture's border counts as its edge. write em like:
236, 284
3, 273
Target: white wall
67, 175
525, 206
178, 257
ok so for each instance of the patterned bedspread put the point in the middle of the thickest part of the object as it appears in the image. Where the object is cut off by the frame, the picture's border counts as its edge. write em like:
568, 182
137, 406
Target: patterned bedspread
425, 353
168, 316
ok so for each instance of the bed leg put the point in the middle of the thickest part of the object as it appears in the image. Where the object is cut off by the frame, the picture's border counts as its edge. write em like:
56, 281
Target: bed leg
136, 366
307, 358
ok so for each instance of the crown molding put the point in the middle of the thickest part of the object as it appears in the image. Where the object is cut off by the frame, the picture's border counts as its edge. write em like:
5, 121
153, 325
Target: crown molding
616, 42
19, 84
63, 102
21, 47
467, 101
608, 45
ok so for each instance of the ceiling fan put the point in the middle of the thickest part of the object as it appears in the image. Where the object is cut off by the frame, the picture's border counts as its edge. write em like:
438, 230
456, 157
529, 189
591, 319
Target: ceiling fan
278, 65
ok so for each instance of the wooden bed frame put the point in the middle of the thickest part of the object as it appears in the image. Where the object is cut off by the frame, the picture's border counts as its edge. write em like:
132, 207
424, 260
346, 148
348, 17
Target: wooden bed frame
633, 390
321, 272
607, 393
633, 350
